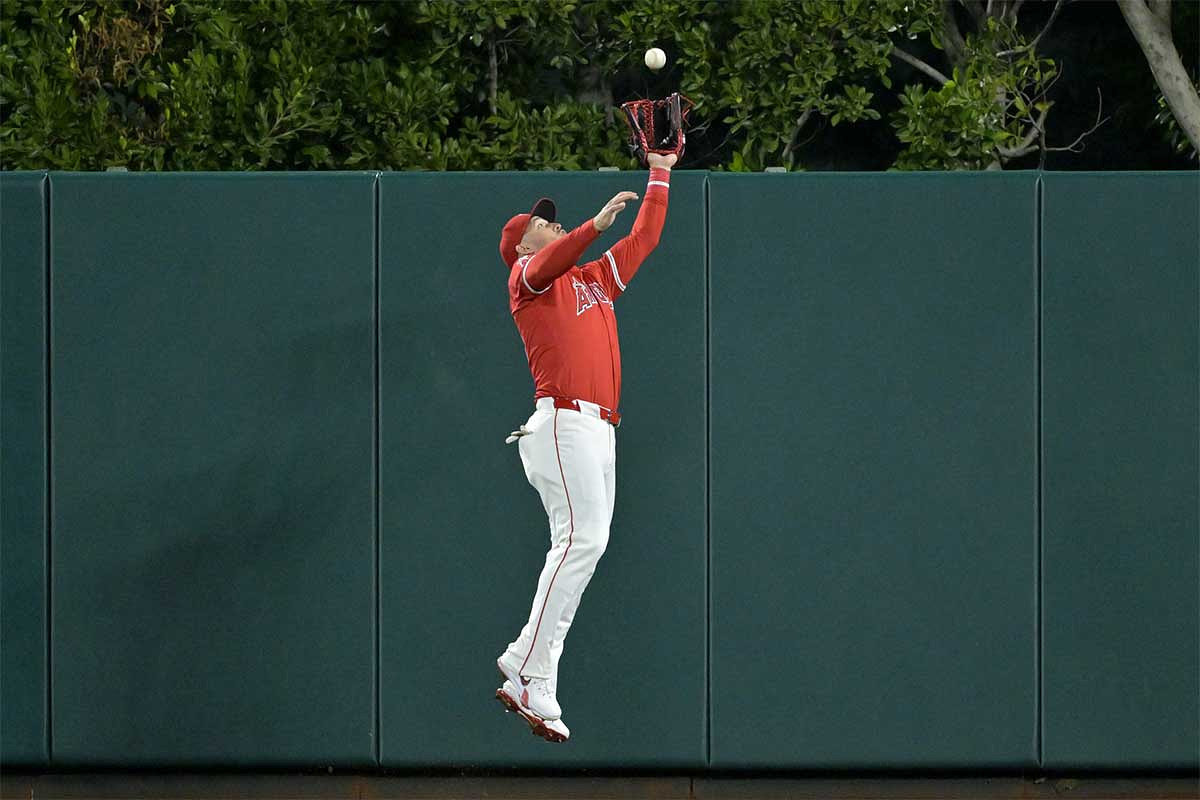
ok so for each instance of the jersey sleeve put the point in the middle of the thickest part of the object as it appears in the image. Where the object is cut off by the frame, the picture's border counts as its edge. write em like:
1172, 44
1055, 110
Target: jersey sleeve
519, 285
540, 270
604, 272
621, 261
519, 294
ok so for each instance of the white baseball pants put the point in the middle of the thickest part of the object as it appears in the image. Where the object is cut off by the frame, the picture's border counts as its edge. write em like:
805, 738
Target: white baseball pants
571, 459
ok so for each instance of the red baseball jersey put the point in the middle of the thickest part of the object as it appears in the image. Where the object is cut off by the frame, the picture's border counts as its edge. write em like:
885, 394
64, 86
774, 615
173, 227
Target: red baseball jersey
565, 313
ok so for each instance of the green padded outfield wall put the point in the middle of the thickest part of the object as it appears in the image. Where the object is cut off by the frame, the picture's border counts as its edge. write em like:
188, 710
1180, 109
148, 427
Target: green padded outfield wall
23, 698
874, 473
463, 534
1120, 439
213, 578
873, 468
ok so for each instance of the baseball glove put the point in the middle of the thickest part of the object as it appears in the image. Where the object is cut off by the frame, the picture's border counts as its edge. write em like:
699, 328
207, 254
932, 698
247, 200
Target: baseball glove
657, 126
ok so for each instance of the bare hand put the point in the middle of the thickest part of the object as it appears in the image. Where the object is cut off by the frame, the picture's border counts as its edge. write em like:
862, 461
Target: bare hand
605, 218
661, 162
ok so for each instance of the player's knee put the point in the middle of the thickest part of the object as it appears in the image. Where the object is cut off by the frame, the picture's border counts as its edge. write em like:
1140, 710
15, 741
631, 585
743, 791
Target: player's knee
591, 541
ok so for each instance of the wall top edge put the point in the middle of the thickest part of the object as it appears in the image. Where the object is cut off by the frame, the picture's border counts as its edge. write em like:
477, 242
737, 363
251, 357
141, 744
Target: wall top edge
298, 174
236, 175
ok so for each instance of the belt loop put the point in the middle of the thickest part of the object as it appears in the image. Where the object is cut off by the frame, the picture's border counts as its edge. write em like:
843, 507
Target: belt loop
589, 408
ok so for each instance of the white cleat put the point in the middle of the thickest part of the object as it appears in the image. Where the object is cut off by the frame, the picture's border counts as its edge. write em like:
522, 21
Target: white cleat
556, 728
552, 730
538, 697
536, 694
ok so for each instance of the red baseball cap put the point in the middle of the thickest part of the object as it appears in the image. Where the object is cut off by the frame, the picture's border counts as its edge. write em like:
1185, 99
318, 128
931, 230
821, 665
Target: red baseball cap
514, 229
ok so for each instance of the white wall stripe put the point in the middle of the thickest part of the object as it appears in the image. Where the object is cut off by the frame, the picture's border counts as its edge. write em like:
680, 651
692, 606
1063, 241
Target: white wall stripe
616, 275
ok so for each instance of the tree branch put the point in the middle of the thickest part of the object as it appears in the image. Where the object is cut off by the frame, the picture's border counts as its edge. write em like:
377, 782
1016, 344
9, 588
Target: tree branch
1039, 132
921, 65
1026, 144
1042, 151
1053, 15
492, 75
1062, 69
1088, 132
1154, 37
976, 8
1049, 23
952, 39
787, 151
1162, 10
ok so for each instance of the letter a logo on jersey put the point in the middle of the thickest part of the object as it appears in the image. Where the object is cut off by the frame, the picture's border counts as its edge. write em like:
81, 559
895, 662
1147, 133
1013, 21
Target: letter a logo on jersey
587, 295
583, 297
599, 293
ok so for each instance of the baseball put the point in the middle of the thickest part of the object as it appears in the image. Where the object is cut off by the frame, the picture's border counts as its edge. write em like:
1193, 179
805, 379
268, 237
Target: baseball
656, 59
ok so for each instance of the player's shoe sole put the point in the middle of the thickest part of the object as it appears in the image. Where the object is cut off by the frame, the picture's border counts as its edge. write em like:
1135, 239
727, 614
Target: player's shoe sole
537, 725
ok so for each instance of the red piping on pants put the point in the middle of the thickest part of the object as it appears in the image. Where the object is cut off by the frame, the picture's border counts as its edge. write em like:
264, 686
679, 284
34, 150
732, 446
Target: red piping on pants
570, 539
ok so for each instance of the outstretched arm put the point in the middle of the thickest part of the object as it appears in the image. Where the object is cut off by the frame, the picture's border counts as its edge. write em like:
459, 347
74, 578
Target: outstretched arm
627, 255
554, 259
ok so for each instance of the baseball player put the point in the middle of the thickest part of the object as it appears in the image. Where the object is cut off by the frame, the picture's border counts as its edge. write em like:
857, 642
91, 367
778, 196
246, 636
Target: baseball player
566, 319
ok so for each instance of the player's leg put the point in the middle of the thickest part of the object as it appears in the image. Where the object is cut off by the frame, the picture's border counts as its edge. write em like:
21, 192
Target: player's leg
560, 632
564, 624
565, 461
610, 472
553, 556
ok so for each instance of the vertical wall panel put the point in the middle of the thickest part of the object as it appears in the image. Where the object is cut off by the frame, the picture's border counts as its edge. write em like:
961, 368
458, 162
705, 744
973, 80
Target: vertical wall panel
213, 515
1121, 436
873, 470
23, 723
464, 535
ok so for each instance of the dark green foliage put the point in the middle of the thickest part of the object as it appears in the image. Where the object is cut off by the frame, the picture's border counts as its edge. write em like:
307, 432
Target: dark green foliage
499, 84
